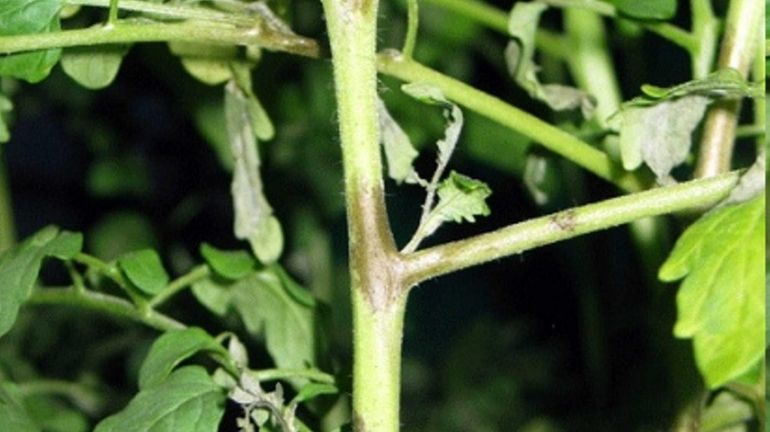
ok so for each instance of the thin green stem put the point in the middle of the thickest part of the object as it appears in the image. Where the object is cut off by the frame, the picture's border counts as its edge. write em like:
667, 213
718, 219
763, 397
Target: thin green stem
112, 273
81, 395
705, 28
196, 274
740, 37
517, 238
125, 33
549, 136
476, 10
279, 374
412, 25
7, 230
104, 303
112, 19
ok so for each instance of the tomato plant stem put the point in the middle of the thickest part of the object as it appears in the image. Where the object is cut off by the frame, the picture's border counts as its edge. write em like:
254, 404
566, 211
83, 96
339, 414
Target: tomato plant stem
741, 34
520, 237
377, 294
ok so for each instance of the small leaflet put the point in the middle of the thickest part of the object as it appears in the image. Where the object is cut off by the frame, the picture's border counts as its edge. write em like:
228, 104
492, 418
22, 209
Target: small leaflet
93, 67
399, 151
460, 198
519, 56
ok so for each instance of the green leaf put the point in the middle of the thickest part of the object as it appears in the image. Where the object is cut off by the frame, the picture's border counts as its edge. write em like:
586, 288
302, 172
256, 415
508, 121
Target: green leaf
93, 67
213, 294
313, 390
145, 270
55, 416
647, 9
520, 58
461, 199
719, 303
660, 135
254, 219
188, 400
119, 233
267, 308
26, 17
399, 151
19, 268
172, 348
209, 63
209, 117
228, 264
13, 415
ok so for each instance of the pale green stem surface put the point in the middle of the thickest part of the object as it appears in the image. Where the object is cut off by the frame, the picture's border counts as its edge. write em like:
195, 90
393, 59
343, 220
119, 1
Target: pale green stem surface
179, 284
112, 18
279, 374
129, 32
549, 136
520, 237
737, 51
705, 28
7, 230
104, 303
413, 24
377, 294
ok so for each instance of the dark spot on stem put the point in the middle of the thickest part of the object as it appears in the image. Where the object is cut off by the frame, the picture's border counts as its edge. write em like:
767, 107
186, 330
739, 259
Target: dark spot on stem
363, 7
565, 220
358, 423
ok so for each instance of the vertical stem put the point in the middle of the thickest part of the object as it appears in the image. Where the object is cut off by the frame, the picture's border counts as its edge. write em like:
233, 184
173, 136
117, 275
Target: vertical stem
705, 28
413, 23
741, 27
112, 18
589, 60
377, 293
7, 231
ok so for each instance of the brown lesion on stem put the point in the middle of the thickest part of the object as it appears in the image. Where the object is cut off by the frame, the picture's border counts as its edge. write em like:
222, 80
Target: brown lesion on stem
565, 221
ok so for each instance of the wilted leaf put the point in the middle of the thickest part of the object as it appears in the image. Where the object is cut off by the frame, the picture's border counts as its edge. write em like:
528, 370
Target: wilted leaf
461, 199
399, 151
660, 135
25, 17
19, 268
228, 264
13, 414
751, 184
719, 304
431, 94
647, 9
254, 219
93, 67
145, 270
170, 349
520, 58
188, 400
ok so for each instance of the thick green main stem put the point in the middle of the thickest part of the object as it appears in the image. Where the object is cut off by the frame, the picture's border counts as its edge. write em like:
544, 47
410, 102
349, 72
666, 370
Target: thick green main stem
377, 293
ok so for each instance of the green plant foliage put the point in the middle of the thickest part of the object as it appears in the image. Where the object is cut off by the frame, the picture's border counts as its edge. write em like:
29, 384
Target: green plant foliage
271, 305
228, 264
208, 63
24, 17
399, 151
13, 414
145, 270
724, 83
647, 9
20, 266
312, 391
720, 301
93, 67
170, 349
461, 198
660, 135
253, 214
519, 56
187, 400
